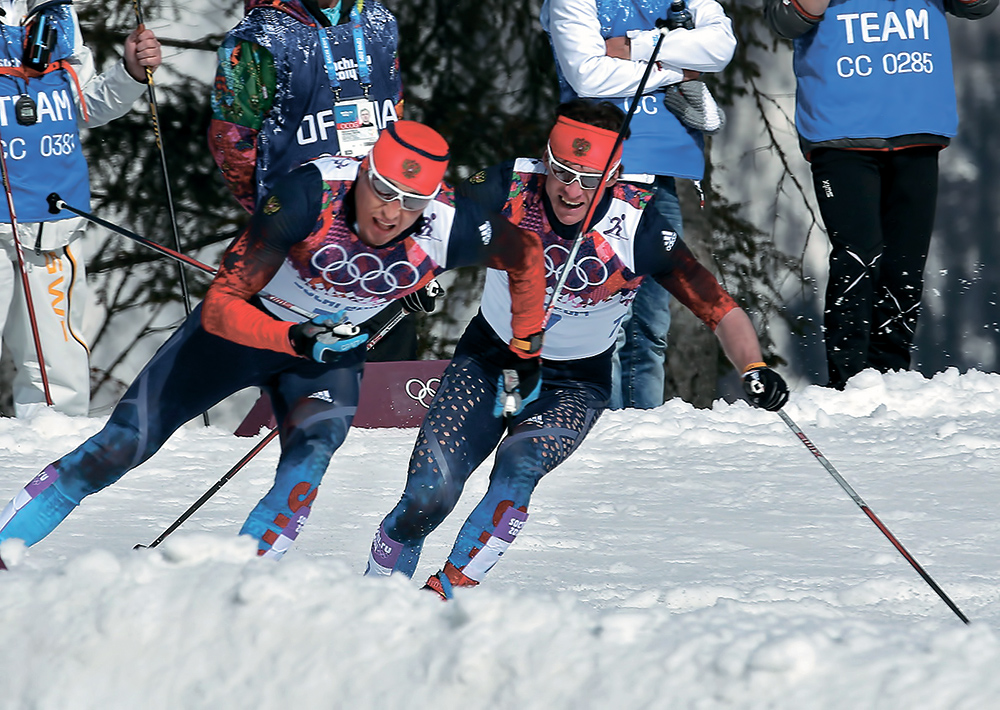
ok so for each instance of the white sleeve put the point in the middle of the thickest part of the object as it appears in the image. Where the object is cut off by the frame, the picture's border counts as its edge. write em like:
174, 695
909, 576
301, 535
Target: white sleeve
581, 52
709, 47
109, 95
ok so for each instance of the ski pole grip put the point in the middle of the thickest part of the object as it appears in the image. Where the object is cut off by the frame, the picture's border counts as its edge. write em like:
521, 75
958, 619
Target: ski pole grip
511, 400
434, 289
346, 330
55, 203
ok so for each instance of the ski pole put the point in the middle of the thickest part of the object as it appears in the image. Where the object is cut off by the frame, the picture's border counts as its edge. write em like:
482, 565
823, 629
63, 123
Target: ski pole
263, 442
56, 203
868, 511
154, 115
22, 267
605, 174
213, 490
434, 290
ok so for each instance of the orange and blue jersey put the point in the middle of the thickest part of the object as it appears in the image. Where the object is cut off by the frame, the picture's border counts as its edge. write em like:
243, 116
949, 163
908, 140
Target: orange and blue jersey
300, 246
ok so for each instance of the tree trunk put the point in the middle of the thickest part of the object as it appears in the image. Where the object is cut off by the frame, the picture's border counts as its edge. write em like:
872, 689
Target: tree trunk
6, 384
692, 349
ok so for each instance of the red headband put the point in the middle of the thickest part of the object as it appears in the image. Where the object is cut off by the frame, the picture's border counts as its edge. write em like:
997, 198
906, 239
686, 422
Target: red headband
575, 142
411, 154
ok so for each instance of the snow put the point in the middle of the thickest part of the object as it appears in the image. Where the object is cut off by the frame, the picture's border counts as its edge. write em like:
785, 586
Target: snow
681, 558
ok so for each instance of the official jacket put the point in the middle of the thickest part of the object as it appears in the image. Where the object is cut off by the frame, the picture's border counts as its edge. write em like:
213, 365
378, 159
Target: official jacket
274, 100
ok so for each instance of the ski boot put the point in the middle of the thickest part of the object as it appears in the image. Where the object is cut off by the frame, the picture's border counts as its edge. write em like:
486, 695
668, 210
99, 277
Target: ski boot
445, 581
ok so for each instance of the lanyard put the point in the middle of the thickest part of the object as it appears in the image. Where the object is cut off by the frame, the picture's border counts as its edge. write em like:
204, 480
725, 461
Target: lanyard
360, 55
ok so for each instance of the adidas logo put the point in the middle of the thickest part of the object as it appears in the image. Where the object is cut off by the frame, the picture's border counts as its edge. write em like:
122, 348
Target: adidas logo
485, 233
323, 395
669, 239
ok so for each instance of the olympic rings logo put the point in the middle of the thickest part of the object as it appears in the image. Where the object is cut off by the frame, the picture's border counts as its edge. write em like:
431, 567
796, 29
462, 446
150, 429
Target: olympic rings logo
367, 270
587, 272
422, 392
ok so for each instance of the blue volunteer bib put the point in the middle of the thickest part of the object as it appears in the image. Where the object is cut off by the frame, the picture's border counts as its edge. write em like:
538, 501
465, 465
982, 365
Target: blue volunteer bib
46, 156
874, 69
660, 144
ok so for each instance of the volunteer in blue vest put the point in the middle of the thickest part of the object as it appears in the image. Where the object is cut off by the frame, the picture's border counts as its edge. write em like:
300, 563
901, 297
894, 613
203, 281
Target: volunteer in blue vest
875, 104
601, 49
49, 87
340, 237
630, 242
300, 79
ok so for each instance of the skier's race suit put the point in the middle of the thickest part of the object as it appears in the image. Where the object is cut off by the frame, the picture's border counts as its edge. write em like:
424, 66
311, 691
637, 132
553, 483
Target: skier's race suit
301, 246
628, 242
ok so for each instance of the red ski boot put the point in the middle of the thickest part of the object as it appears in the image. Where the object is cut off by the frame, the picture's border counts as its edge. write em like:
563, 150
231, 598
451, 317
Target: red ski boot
447, 579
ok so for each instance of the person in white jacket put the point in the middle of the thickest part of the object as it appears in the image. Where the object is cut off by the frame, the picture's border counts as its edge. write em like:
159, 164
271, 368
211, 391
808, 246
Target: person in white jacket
601, 49
49, 88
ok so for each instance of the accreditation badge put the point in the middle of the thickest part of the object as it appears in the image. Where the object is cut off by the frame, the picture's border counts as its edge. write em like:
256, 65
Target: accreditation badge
356, 129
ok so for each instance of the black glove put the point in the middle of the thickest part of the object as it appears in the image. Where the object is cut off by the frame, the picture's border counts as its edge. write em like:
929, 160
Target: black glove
325, 337
423, 300
521, 379
519, 384
765, 388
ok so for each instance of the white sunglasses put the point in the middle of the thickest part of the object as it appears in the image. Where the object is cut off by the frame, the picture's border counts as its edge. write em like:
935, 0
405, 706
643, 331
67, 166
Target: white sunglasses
387, 192
567, 175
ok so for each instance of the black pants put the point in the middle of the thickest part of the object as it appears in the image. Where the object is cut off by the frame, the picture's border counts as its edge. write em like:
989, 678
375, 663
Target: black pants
878, 208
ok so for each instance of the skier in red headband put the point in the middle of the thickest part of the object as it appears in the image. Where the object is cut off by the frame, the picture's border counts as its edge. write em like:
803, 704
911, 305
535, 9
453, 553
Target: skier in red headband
629, 241
338, 237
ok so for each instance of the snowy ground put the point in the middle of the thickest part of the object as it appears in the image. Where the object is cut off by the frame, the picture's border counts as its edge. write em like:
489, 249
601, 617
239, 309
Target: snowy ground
681, 559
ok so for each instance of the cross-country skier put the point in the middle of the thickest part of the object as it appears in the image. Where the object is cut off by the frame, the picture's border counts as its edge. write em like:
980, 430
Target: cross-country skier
340, 237
629, 241
293, 82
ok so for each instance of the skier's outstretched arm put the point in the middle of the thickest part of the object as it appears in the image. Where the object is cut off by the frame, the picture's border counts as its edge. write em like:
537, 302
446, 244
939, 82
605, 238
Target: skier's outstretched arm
738, 338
